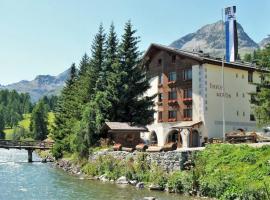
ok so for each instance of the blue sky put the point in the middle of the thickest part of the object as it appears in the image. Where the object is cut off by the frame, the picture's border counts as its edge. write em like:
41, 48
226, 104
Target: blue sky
46, 36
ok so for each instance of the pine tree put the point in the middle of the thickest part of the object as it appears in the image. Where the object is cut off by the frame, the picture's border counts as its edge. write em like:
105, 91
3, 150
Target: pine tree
2, 120
129, 82
66, 115
39, 121
97, 61
84, 65
261, 99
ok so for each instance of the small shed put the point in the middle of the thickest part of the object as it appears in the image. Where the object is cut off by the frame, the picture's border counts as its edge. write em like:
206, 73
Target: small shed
124, 133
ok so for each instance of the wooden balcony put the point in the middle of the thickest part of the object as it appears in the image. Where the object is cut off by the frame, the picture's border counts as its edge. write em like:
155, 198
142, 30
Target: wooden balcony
187, 100
172, 120
187, 119
173, 102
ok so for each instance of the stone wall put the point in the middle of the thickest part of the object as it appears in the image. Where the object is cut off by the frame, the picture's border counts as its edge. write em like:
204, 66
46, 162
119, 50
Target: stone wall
169, 161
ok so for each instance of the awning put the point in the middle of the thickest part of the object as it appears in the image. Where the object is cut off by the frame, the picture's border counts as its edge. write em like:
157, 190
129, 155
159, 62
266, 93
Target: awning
187, 124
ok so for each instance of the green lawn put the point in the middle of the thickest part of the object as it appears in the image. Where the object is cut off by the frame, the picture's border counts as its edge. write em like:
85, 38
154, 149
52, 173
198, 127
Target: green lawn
25, 123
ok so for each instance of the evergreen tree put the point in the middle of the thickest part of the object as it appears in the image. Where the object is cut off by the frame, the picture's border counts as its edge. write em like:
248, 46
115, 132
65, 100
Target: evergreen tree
2, 120
39, 121
129, 82
261, 98
66, 113
97, 61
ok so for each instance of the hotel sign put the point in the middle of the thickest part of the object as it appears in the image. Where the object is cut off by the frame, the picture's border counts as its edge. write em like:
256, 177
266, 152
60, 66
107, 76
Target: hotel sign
219, 92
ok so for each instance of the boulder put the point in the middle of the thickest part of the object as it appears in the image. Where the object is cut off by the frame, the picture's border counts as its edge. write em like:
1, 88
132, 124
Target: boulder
103, 178
140, 185
133, 182
155, 187
149, 198
122, 180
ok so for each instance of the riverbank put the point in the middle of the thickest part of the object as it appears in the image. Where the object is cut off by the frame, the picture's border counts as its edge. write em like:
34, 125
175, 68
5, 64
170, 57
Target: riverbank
220, 171
23, 180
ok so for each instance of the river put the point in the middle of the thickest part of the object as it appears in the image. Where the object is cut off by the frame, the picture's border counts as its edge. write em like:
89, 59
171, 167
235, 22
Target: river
20, 180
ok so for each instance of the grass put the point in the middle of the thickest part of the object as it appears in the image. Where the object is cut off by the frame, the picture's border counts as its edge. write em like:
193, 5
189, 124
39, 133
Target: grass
25, 123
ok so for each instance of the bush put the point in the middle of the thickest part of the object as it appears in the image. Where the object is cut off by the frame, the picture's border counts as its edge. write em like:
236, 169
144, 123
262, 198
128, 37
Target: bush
158, 176
234, 172
175, 182
142, 168
90, 168
57, 151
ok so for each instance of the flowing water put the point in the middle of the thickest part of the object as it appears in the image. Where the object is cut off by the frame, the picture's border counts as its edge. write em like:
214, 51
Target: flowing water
37, 181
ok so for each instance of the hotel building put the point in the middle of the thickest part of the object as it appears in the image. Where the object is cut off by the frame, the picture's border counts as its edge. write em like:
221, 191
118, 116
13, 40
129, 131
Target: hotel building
190, 94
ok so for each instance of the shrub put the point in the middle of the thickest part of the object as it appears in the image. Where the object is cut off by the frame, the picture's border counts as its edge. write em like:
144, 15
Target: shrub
234, 172
142, 168
158, 176
175, 182
90, 168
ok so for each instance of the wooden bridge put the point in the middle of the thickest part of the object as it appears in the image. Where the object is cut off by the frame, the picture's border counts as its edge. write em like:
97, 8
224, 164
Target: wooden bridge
30, 146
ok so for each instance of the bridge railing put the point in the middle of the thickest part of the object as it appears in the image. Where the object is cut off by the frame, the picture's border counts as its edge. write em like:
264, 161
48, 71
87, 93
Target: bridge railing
19, 143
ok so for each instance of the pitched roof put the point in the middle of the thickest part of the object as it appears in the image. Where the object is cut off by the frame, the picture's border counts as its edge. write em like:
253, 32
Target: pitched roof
201, 57
125, 126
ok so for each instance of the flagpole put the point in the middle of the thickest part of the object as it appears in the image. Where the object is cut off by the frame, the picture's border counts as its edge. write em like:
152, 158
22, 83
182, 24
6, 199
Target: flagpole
222, 78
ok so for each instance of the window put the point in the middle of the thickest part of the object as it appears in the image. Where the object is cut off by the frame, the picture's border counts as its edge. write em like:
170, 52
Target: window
172, 114
236, 75
172, 76
252, 117
188, 113
187, 75
237, 113
160, 79
173, 58
159, 61
250, 77
173, 95
188, 93
159, 115
243, 95
237, 94
160, 97
244, 114
243, 76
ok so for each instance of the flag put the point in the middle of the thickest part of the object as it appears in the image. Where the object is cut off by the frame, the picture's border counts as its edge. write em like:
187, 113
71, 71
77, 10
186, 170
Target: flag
231, 34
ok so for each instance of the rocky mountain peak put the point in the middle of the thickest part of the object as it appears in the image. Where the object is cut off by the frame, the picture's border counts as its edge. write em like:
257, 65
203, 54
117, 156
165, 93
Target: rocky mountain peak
210, 39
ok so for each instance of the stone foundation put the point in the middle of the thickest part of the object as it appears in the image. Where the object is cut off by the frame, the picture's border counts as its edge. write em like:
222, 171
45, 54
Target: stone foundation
169, 161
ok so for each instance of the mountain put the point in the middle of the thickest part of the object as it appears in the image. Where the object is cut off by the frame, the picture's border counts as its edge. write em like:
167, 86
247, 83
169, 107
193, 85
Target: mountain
210, 39
264, 42
40, 86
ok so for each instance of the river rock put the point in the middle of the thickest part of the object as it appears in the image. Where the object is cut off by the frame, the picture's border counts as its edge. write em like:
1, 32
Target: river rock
122, 180
140, 185
155, 187
103, 178
133, 182
149, 198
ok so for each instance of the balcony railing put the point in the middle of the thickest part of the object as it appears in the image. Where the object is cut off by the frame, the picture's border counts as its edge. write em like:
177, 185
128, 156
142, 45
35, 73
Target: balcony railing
172, 102
172, 120
187, 118
187, 99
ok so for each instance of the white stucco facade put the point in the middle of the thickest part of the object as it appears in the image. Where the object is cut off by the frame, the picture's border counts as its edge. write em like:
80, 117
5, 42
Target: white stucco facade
207, 103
